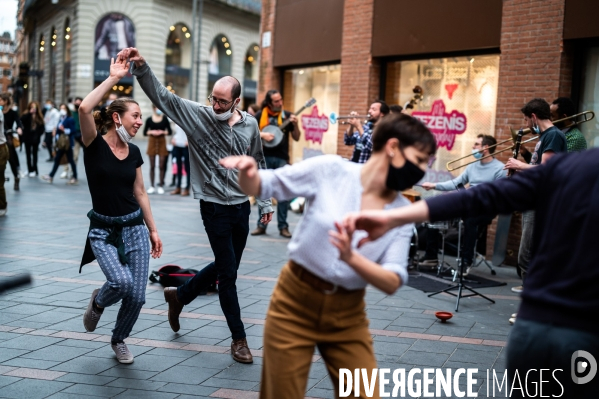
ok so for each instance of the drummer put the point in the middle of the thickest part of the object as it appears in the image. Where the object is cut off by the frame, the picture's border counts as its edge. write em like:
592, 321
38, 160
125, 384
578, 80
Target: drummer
484, 170
276, 156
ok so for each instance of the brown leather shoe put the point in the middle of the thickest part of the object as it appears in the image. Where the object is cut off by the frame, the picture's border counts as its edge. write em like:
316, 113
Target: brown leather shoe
285, 232
176, 191
174, 307
258, 231
240, 351
185, 193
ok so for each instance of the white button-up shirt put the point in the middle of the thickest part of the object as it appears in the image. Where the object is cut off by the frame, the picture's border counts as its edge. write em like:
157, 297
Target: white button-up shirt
333, 188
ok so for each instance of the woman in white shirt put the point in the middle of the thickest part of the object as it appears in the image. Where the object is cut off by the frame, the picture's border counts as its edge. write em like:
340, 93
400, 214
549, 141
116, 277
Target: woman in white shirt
319, 297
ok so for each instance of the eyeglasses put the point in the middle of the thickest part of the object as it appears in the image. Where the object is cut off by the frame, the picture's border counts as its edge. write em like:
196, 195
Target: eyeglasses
221, 103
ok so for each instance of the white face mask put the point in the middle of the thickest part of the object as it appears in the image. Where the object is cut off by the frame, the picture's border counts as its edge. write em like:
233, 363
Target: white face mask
122, 132
225, 116
63, 112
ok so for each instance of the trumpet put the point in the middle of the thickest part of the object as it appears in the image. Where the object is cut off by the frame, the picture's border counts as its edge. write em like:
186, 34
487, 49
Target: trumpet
333, 117
585, 117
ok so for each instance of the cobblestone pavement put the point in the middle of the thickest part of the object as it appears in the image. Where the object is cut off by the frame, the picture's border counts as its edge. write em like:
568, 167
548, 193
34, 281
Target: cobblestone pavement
45, 352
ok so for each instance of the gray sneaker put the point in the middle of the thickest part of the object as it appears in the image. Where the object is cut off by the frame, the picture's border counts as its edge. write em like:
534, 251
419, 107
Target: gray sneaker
122, 353
91, 317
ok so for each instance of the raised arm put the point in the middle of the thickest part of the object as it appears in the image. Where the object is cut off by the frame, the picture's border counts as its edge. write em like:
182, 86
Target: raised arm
118, 70
183, 112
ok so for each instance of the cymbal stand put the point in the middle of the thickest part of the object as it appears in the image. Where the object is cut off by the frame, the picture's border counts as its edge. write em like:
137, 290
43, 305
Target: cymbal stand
460, 286
443, 266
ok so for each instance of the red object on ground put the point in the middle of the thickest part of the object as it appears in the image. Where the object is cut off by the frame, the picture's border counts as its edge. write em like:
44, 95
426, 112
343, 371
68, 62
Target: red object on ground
443, 316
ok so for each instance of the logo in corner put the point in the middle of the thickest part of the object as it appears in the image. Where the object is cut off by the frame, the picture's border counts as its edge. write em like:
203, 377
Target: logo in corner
582, 363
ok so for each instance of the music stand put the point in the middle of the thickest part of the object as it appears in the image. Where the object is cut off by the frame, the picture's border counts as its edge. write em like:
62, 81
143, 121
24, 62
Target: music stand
460, 286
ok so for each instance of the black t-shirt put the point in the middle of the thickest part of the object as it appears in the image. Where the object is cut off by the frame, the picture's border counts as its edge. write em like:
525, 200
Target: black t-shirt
111, 180
9, 120
551, 139
282, 150
162, 125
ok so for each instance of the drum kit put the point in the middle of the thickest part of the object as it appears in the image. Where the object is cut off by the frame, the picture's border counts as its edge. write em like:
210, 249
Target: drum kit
459, 272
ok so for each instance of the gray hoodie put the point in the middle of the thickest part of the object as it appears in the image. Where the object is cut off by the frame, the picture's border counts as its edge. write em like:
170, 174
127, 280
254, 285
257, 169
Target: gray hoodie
209, 140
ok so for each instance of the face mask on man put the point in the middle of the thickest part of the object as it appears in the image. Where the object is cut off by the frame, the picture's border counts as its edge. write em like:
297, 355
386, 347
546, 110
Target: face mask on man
48, 106
122, 132
478, 154
225, 116
158, 112
535, 128
399, 179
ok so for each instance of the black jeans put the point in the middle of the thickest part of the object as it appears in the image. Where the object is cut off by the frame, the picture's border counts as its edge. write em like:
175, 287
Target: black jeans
533, 346
13, 158
227, 227
31, 153
472, 227
48, 141
282, 206
57, 159
181, 155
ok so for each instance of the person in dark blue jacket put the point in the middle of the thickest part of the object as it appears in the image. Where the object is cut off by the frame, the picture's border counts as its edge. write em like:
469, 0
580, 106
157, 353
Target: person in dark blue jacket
556, 328
66, 126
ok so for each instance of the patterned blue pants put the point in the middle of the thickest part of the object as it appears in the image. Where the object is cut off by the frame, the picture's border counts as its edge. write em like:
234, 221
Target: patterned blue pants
124, 282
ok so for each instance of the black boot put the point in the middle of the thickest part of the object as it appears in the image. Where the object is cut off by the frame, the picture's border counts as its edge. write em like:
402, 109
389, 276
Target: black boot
17, 180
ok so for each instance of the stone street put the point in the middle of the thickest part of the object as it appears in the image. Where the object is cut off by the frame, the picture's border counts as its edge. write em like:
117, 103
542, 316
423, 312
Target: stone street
46, 353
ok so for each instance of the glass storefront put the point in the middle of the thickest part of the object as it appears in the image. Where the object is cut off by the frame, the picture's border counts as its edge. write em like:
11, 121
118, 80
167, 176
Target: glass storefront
319, 136
458, 103
590, 96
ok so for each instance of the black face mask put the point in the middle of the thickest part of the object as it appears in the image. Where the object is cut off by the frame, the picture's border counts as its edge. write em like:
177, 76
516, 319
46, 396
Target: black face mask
399, 179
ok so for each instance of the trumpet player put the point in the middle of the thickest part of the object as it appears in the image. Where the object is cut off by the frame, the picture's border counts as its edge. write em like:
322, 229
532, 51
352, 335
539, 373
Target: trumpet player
359, 135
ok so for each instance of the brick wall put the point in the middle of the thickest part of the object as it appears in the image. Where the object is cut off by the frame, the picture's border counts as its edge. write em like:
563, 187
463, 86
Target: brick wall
359, 72
269, 77
533, 64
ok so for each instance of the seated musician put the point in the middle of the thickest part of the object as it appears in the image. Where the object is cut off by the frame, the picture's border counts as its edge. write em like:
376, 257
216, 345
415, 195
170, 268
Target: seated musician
272, 113
483, 171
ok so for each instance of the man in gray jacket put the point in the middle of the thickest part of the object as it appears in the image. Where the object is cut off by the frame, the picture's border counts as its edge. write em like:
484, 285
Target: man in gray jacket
214, 132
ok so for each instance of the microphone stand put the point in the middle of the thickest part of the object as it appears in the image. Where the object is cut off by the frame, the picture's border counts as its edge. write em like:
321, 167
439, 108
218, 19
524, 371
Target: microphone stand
460, 286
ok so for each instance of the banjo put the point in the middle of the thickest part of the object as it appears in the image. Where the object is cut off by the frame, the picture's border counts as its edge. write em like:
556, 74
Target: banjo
277, 131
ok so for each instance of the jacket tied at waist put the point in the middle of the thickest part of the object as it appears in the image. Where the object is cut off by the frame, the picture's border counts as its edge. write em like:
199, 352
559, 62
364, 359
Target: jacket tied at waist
115, 238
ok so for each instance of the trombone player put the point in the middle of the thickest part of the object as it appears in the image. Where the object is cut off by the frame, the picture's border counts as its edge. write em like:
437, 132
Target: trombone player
485, 169
537, 117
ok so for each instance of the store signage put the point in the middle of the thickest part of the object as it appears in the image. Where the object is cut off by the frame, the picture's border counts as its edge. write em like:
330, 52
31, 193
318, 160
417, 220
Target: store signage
445, 126
315, 125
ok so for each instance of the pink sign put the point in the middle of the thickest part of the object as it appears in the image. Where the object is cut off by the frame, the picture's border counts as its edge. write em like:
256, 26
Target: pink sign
444, 126
315, 125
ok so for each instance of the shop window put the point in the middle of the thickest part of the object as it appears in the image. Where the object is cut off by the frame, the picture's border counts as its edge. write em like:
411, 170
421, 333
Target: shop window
178, 60
67, 40
590, 96
318, 135
221, 53
41, 64
114, 32
250, 75
52, 83
458, 102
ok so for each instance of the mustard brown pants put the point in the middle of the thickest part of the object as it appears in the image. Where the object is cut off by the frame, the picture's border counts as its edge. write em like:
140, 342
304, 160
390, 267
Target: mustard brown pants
300, 318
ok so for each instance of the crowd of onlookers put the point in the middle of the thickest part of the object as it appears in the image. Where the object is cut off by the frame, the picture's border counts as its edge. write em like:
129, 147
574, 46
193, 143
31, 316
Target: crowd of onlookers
57, 131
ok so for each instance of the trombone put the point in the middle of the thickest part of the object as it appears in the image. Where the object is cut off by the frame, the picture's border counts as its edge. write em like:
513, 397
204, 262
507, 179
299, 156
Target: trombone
586, 116
333, 117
